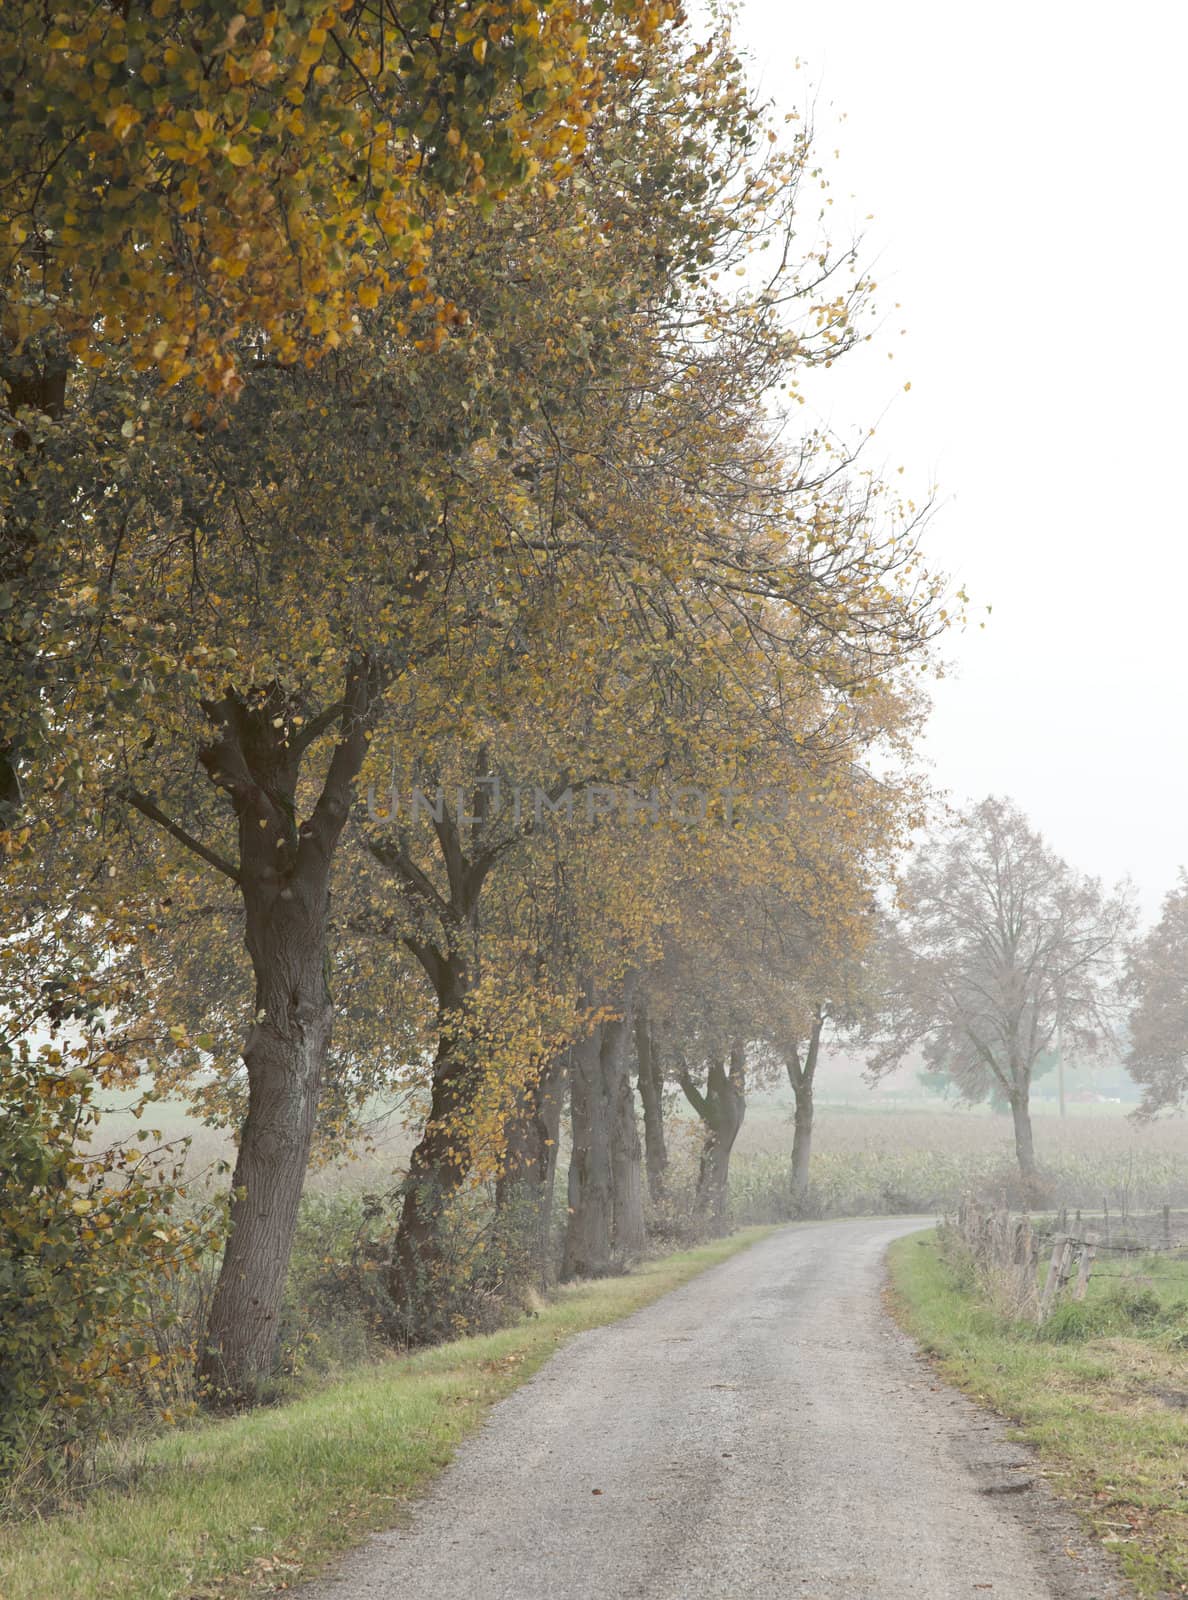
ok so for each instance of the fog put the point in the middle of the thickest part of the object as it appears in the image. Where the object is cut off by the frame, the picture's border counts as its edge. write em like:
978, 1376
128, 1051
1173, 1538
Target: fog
1023, 171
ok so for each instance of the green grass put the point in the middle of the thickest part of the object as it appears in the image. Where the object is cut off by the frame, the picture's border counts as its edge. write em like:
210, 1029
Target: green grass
255, 1502
1102, 1391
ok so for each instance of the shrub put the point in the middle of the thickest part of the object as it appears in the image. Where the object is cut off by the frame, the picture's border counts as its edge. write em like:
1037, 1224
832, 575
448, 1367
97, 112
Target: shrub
337, 1306
86, 1236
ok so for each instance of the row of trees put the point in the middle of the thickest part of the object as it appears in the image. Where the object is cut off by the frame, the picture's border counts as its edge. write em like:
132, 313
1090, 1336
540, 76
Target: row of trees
432, 657
434, 660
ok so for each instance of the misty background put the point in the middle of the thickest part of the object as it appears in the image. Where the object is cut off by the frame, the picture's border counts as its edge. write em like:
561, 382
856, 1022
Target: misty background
1023, 169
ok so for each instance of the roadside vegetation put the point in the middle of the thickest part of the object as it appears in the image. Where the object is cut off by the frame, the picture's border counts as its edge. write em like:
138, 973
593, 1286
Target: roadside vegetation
251, 1504
1101, 1389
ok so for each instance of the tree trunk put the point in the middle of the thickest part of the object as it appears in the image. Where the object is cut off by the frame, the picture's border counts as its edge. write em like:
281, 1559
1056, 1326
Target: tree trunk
1024, 1143
651, 1091
721, 1109
283, 874
591, 1186
801, 1075
605, 1225
524, 1188
550, 1117
285, 1057
802, 1142
628, 1236
436, 1170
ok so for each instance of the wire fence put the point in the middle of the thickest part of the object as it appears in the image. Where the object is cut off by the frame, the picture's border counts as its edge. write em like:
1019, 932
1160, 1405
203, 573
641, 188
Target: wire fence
1120, 1233
1008, 1252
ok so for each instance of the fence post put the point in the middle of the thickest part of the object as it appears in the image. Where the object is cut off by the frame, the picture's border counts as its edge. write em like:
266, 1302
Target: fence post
1056, 1274
1167, 1238
1026, 1256
1085, 1265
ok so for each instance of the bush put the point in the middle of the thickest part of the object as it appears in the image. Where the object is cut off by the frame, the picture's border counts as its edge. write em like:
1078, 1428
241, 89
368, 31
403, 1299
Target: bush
1128, 1309
86, 1237
337, 1307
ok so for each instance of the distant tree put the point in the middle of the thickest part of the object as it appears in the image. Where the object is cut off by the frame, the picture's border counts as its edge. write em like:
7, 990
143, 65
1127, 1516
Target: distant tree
1157, 981
999, 943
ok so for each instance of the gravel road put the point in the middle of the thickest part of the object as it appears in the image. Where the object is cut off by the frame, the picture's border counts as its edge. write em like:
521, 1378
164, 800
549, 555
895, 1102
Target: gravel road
764, 1431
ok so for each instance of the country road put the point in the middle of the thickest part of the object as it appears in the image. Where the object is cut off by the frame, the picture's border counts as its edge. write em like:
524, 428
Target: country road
764, 1431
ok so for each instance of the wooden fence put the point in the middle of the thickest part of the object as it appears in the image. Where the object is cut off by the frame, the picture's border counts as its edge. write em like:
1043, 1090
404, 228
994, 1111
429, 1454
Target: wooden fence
1006, 1252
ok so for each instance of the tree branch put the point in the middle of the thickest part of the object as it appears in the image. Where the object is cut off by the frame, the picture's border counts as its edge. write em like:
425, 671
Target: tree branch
148, 809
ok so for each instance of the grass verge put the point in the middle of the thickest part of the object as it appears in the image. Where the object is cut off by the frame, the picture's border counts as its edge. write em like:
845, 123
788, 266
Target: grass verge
1102, 1391
253, 1504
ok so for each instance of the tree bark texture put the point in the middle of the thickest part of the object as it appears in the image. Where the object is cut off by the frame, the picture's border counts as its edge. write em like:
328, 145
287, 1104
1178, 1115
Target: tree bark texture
524, 1189
605, 1225
651, 1095
284, 878
721, 1107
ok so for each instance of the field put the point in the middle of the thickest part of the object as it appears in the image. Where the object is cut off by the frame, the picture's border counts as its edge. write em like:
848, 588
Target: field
873, 1161
869, 1157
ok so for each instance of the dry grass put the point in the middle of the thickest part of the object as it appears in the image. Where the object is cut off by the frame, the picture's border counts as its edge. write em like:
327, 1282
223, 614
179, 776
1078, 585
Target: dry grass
838, 1131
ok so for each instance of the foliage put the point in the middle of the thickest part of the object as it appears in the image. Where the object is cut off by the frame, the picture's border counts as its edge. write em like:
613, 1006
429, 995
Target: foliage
87, 1235
179, 174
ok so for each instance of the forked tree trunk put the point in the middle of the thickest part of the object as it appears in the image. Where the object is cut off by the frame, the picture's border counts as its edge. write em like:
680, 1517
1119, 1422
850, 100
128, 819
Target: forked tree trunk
283, 874
721, 1108
450, 959
801, 1076
651, 1095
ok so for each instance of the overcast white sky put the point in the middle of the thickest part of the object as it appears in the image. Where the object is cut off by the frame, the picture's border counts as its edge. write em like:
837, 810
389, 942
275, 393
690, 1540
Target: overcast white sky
1026, 171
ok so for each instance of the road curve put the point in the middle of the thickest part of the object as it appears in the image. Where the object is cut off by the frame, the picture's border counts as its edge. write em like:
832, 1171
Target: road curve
763, 1431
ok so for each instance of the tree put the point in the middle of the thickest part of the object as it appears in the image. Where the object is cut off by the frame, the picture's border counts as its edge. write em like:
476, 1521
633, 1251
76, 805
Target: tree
1157, 985
801, 1066
194, 190
721, 1105
649, 1063
999, 943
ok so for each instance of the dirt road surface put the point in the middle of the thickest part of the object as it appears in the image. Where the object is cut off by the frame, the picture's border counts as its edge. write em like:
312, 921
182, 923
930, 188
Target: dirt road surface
763, 1431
